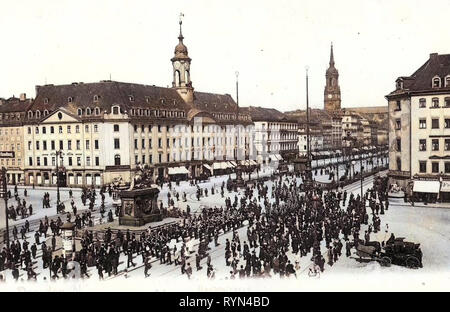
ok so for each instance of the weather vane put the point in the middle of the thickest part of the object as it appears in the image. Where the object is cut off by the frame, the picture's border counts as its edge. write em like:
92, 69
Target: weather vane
181, 18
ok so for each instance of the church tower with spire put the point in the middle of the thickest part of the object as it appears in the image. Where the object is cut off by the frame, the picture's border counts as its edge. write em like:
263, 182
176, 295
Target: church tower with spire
181, 63
332, 93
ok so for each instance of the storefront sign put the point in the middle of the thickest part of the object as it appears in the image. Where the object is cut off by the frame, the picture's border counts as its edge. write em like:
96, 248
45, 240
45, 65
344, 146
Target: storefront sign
7, 154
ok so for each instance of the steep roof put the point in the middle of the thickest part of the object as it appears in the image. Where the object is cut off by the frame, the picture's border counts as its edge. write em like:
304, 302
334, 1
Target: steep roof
421, 79
220, 103
14, 105
107, 93
266, 114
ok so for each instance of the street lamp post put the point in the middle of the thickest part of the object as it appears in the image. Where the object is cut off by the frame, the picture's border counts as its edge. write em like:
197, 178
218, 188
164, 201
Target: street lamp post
58, 196
308, 177
4, 194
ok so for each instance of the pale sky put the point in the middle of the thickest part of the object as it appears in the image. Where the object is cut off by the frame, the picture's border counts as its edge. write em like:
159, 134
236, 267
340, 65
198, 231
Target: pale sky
269, 42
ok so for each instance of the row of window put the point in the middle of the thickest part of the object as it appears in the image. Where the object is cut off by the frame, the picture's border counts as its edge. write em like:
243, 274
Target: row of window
434, 145
435, 167
12, 131
88, 111
69, 160
157, 113
436, 82
5, 162
423, 123
204, 142
61, 145
7, 147
43, 129
434, 102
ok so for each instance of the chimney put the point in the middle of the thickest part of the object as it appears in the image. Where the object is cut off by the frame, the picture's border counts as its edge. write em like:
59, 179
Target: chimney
433, 56
23, 96
37, 90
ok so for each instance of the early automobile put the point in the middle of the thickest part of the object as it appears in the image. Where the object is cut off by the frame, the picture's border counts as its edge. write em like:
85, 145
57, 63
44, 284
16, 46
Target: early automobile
396, 251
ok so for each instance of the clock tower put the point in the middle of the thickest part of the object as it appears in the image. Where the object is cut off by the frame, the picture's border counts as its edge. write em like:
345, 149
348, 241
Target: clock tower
332, 93
181, 63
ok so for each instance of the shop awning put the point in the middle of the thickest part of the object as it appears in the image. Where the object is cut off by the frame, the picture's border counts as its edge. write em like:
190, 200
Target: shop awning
278, 156
445, 186
233, 163
178, 170
219, 165
273, 158
426, 186
207, 167
252, 162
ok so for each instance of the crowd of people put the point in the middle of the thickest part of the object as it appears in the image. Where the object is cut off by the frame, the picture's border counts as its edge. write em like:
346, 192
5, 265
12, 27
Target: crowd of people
282, 224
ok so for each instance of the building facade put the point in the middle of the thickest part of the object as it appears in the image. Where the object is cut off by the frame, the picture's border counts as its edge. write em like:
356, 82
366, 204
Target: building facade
419, 130
12, 116
96, 133
275, 134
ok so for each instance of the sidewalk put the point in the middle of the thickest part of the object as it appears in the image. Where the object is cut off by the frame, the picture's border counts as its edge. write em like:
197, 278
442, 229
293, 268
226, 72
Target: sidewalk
47, 188
419, 204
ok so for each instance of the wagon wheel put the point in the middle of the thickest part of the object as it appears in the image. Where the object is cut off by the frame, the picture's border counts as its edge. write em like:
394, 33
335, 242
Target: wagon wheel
412, 262
385, 261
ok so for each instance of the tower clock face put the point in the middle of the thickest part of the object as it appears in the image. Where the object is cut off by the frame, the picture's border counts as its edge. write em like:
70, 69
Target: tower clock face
330, 96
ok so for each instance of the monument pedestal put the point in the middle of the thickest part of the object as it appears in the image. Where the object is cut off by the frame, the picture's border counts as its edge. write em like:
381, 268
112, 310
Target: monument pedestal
139, 207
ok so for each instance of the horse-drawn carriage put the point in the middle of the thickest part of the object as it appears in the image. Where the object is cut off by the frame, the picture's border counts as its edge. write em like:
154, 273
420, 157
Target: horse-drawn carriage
395, 252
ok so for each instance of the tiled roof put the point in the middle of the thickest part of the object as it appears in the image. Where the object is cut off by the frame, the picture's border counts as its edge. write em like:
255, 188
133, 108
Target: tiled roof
266, 114
421, 79
107, 94
13, 105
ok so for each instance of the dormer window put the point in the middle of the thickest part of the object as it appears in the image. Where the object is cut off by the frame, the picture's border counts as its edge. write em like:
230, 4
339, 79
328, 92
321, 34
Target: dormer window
147, 99
447, 81
132, 111
45, 112
88, 111
80, 112
30, 114
162, 101
38, 114
115, 110
97, 111
131, 98
70, 99
95, 98
399, 85
174, 102
46, 101
436, 82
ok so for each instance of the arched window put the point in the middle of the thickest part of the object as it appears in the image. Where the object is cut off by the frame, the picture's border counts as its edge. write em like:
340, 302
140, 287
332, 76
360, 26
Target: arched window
88, 111
117, 160
435, 102
186, 76
131, 98
97, 111
436, 82
45, 112
38, 114
95, 98
177, 78
447, 81
30, 114
80, 112
70, 99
